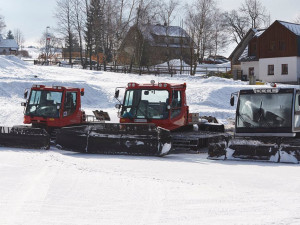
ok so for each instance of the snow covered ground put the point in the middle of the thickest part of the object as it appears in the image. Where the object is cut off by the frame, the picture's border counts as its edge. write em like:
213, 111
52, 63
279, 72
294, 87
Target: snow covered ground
59, 187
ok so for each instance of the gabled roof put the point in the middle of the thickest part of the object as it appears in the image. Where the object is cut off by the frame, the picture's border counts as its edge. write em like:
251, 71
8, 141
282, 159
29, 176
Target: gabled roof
149, 32
294, 27
238, 49
8, 43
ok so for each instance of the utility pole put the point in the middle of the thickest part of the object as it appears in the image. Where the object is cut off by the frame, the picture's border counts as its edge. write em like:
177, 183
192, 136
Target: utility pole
47, 44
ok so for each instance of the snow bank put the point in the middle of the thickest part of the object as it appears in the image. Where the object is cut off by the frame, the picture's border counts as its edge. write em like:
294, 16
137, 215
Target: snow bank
57, 187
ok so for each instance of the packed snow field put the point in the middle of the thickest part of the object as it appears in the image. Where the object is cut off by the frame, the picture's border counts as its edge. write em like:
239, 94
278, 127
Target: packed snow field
59, 187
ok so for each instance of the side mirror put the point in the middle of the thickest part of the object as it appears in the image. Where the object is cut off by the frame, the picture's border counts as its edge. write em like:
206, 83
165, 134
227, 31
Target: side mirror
25, 94
118, 106
117, 93
232, 101
23, 104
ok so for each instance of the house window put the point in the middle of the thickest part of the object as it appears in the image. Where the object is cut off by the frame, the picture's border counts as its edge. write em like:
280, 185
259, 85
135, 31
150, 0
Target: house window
270, 69
284, 69
282, 45
251, 71
272, 45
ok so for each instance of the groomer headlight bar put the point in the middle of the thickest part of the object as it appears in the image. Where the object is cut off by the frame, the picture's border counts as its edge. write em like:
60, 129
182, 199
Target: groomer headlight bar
266, 90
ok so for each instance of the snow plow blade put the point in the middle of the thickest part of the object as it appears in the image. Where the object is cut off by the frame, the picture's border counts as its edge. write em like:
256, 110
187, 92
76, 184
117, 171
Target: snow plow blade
24, 137
255, 150
116, 138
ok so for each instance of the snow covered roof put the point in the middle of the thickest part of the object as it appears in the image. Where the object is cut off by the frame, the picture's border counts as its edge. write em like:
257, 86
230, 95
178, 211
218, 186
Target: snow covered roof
172, 31
149, 32
259, 32
295, 28
8, 43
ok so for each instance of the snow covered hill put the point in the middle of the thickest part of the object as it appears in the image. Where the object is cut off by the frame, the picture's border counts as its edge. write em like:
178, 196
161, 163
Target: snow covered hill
207, 96
58, 187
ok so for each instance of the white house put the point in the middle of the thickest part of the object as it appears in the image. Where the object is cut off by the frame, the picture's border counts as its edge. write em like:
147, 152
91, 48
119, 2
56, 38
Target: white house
273, 55
8, 46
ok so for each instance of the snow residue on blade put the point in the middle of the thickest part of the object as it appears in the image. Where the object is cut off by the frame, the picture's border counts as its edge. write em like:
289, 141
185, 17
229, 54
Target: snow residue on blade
288, 158
166, 148
229, 153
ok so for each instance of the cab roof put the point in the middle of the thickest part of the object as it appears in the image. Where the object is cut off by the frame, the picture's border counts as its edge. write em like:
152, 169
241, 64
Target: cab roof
158, 86
53, 88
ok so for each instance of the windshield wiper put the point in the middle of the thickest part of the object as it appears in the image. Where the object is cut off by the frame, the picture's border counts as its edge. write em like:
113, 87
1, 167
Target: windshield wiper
241, 116
260, 112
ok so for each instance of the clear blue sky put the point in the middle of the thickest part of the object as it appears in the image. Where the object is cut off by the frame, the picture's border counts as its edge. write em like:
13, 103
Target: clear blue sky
33, 16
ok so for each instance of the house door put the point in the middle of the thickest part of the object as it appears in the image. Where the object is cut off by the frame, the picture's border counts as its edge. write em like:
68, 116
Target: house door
251, 71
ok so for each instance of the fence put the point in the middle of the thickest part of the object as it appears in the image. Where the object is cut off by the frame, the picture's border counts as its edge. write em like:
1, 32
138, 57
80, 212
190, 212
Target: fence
157, 70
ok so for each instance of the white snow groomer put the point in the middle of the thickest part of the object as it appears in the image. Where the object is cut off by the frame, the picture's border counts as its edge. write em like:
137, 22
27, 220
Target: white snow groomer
267, 127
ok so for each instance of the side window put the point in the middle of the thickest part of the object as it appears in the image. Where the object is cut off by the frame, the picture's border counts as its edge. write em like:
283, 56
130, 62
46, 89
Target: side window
70, 103
176, 104
297, 111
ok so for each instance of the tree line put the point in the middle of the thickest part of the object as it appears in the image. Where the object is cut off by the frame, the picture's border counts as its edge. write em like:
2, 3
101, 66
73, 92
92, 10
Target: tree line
91, 27
99, 26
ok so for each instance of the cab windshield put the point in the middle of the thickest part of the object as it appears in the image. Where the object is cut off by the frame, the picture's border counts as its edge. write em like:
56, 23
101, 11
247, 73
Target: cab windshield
44, 103
273, 110
146, 104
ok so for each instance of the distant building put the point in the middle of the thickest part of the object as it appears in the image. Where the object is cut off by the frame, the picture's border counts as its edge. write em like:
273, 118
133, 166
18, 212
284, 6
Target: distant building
273, 55
8, 46
154, 44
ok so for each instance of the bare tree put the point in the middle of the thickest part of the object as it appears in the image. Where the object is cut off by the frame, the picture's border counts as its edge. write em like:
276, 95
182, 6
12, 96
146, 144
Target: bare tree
78, 20
167, 16
125, 12
199, 25
19, 37
147, 12
2, 24
237, 25
219, 36
255, 11
65, 25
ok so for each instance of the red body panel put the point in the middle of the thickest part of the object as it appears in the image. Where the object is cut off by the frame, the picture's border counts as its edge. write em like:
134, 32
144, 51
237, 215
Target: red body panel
169, 123
75, 118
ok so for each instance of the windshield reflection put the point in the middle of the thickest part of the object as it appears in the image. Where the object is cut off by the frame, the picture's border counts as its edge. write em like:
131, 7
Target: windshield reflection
44, 103
265, 110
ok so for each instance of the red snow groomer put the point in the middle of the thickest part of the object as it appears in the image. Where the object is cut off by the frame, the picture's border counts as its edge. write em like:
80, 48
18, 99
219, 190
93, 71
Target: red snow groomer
47, 109
147, 115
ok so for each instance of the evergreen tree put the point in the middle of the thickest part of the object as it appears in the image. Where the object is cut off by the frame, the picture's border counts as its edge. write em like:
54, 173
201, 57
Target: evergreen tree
10, 35
96, 11
88, 34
